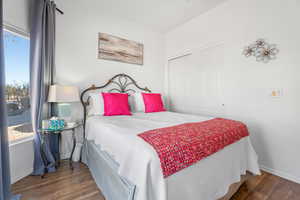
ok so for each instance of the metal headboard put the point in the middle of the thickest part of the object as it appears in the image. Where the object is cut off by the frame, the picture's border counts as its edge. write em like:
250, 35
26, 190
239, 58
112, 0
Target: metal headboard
120, 83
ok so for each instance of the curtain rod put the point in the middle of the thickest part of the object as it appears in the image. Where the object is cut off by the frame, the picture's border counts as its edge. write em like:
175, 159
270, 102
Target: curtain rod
60, 11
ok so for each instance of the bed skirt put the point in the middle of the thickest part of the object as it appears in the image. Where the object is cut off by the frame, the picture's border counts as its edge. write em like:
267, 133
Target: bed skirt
105, 173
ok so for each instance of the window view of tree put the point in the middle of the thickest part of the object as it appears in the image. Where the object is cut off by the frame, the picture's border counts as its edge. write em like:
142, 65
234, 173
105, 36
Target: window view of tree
16, 55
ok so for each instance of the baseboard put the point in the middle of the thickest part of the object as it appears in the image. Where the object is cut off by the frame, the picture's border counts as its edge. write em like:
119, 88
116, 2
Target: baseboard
281, 174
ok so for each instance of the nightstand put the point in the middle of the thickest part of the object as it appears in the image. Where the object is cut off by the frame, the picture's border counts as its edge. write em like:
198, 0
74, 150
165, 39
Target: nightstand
46, 132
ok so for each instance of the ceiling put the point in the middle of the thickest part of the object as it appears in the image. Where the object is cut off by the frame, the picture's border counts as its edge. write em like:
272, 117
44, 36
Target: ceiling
162, 15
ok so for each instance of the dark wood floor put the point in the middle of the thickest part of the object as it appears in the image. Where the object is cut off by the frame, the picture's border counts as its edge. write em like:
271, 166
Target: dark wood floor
79, 185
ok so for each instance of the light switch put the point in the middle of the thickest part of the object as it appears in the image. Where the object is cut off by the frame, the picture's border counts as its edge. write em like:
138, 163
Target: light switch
276, 93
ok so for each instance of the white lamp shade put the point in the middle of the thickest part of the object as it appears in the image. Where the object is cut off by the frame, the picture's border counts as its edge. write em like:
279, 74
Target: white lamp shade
63, 94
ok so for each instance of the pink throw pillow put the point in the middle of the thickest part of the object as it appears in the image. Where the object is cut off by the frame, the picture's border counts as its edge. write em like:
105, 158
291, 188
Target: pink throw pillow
116, 104
153, 102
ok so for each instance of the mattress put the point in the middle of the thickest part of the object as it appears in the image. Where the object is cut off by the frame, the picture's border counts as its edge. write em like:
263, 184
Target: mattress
138, 162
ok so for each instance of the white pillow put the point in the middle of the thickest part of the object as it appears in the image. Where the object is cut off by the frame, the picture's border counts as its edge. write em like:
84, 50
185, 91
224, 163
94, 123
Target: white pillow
136, 102
96, 106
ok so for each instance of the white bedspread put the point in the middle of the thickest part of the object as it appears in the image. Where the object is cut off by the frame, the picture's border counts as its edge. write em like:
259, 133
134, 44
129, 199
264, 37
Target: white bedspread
208, 179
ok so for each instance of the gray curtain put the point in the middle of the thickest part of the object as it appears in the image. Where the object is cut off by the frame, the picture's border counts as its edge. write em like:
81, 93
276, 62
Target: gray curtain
4, 154
42, 51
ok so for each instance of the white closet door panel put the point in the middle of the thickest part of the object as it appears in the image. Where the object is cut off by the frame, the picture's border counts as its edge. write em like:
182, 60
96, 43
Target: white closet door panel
177, 84
195, 82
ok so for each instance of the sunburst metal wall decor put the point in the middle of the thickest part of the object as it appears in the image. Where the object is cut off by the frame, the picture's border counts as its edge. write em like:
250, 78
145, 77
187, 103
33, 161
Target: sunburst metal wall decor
263, 51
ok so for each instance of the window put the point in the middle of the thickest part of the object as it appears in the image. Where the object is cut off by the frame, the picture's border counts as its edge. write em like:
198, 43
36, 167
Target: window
16, 57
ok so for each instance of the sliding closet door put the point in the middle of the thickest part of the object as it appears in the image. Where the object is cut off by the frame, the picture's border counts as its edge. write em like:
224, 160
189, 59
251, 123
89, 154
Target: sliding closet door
195, 82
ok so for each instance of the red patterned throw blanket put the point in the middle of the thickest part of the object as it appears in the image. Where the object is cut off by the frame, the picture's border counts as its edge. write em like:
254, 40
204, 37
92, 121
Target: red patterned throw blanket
183, 145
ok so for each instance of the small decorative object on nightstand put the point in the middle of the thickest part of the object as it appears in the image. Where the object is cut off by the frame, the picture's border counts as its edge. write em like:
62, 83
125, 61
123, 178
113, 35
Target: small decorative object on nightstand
71, 126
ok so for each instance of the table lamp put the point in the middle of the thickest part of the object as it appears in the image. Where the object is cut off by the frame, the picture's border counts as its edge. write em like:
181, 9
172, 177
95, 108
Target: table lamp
63, 96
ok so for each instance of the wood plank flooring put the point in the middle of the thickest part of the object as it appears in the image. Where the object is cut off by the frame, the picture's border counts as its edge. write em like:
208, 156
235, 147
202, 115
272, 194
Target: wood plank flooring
79, 185
61, 185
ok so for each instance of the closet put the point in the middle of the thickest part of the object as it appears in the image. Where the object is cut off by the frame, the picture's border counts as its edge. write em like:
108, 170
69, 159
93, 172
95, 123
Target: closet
195, 81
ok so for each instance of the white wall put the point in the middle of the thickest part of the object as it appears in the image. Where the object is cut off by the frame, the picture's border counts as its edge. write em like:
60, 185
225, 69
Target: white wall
274, 123
16, 13
77, 44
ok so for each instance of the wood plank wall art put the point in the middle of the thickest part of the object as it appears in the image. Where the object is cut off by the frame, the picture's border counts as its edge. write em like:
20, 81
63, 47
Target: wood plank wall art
119, 49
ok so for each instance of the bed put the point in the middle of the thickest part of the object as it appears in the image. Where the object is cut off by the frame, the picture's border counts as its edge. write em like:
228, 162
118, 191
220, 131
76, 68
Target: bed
125, 167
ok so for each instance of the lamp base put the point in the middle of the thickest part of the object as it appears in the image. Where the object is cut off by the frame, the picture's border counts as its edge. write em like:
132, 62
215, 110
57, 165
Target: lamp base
63, 111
